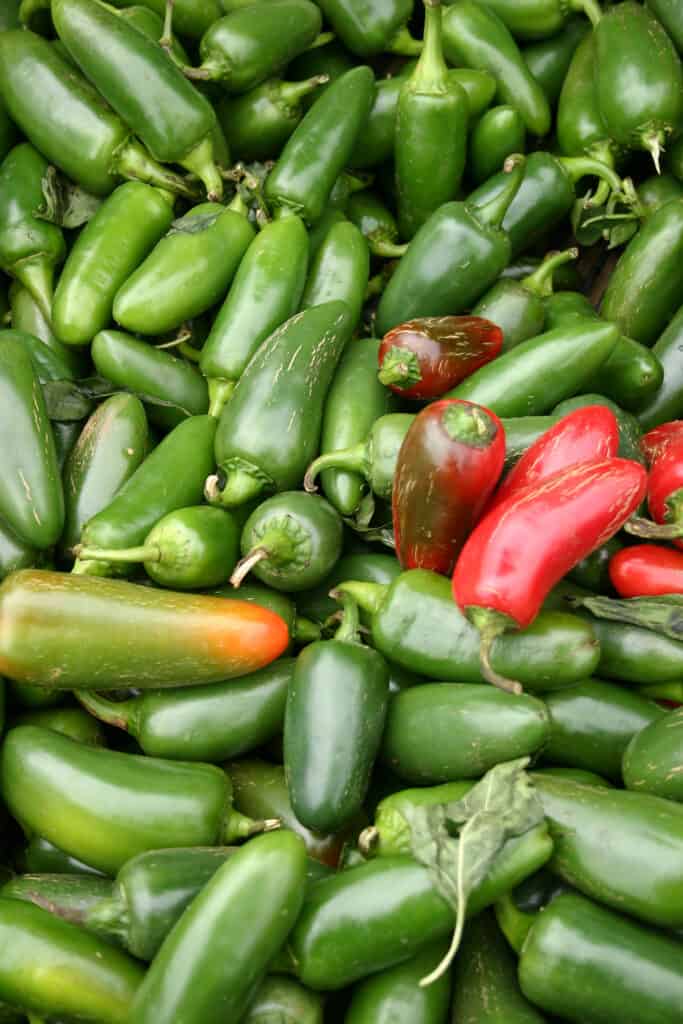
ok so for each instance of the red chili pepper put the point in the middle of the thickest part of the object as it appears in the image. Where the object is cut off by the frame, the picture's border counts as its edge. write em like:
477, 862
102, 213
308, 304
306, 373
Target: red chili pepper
424, 358
520, 551
664, 496
656, 440
448, 465
585, 434
647, 570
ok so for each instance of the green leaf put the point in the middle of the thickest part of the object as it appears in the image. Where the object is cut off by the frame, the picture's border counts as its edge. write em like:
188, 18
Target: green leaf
193, 225
502, 805
65, 203
69, 400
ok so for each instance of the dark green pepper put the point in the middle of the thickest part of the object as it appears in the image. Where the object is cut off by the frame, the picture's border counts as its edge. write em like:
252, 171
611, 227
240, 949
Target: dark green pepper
667, 403
258, 123
40, 855
111, 246
538, 19
431, 132
9, 16
632, 654
203, 723
585, 962
368, 29
290, 542
340, 270
71, 722
31, 498
71, 793
69, 897
188, 271
521, 432
549, 59
375, 221
366, 566
151, 24
331, 60
581, 128
30, 248
657, 190
592, 572
496, 135
270, 428
441, 732
668, 12
285, 1001
336, 706
192, 17
652, 760
395, 994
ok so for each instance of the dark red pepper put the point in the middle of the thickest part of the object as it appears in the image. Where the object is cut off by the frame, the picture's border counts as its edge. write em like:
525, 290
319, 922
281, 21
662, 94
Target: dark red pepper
426, 357
518, 552
647, 570
656, 440
664, 493
447, 467
588, 433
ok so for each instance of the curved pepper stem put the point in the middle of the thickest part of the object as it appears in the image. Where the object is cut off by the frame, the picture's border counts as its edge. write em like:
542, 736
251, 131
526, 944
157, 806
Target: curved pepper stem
133, 161
493, 212
368, 841
36, 275
200, 161
640, 527
352, 459
578, 167
491, 625
111, 712
404, 45
246, 564
220, 392
591, 8
291, 93
240, 487
541, 281
368, 596
149, 553
305, 631
239, 826
349, 630
653, 143
431, 71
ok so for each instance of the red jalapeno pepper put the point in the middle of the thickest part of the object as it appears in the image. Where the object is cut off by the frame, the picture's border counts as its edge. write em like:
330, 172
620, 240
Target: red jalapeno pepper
588, 433
424, 358
646, 570
525, 546
448, 466
656, 440
664, 496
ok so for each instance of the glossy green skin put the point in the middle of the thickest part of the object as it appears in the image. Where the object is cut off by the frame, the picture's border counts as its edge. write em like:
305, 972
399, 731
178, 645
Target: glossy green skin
69, 897
621, 848
580, 124
376, 222
258, 123
72, 722
68, 792
155, 488
40, 855
497, 134
266, 290
395, 994
111, 246
355, 400
585, 962
334, 719
250, 45
302, 534
518, 312
31, 499
195, 548
258, 894
657, 190
420, 628
652, 760
631, 375
260, 791
151, 24
28, 245
485, 985
72, 127
549, 59
209, 723
274, 417
136, 77
285, 1001
441, 732
149, 895
532, 19
340, 270
638, 77
591, 725
332, 60
543, 200
667, 403
592, 572
668, 12
452, 260
14, 553
630, 432
29, 318
186, 273
542, 371
303, 185
368, 30
136, 365
371, 568
644, 290
54, 967
476, 37
109, 449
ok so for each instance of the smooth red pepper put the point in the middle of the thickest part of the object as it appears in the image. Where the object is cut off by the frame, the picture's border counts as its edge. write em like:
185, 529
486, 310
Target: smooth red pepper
518, 552
647, 570
585, 434
426, 357
448, 465
656, 440
664, 494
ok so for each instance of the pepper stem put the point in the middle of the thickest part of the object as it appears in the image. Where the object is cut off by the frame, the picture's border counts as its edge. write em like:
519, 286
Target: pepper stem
641, 527
111, 712
493, 212
212, 70
404, 45
368, 841
291, 93
400, 368
431, 72
353, 459
578, 167
388, 250
246, 564
368, 596
591, 8
200, 161
166, 41
109, 919
322, 39
220, 391
541, 281
133, 161
240, 487
305, 631
653, 143
468, 424
491, 624
36, 275
149, 553
349, 630
239, 826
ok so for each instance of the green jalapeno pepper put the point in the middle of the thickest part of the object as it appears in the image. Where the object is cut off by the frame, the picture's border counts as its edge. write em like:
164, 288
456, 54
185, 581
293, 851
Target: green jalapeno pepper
8, 133
69, 897
549, 59
538, 19
14, 553
191, 17
375, 222
9, 17
340, 270
270, 428
169, 803
188, 271
395, 993
592, 572
197, 975
72, 126
71, 722
651, 761
302, 185
496, 135
28, 317
284, 1000
580, 958
366, 30
258, 123
30, 248
111, 246
95, 981
581, 127
336, 706
669, 14
667, 402
40, 855
146, 637
143, 85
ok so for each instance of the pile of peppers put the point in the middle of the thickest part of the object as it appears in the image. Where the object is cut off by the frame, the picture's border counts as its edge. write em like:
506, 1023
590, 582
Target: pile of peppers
341, 511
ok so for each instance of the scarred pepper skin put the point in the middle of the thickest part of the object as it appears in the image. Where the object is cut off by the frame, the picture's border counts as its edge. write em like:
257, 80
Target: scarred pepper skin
198, 975
659, 438
423, 358
501, 579
646, 570
448, 466
146, 637
652, 759
589, 433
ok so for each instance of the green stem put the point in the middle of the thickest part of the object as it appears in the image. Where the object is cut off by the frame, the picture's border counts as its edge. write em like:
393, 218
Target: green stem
133, 161
193, 354
239, 488
220, 391
36, 275
166, 40
653, 143
112, 712
400, 368
637, 526
109, 919
541, 281
213, 69
578, 167
322, 39
246, 564
491, 625
368, 841
305, 631
348, 631
291, 93
386, 249
150, 553
431, 72
404, 45
468, 424
368, 596
239, 826
493, 212
591, 8
200, 161
353, 459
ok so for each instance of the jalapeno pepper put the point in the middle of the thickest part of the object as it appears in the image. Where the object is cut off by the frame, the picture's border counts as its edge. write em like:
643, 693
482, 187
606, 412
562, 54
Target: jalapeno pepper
652, 759
145, 636
581, 127
28, 317
496, 135
14, 553
549, 60
72, 126
669, 14
665, 404
39, 855
258, 123
664, 496
646, 570
366, 31
271, 427
447, 469
339, 271
69, 897
283, 999
537, 19
73, 722
396, 992
592, 572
